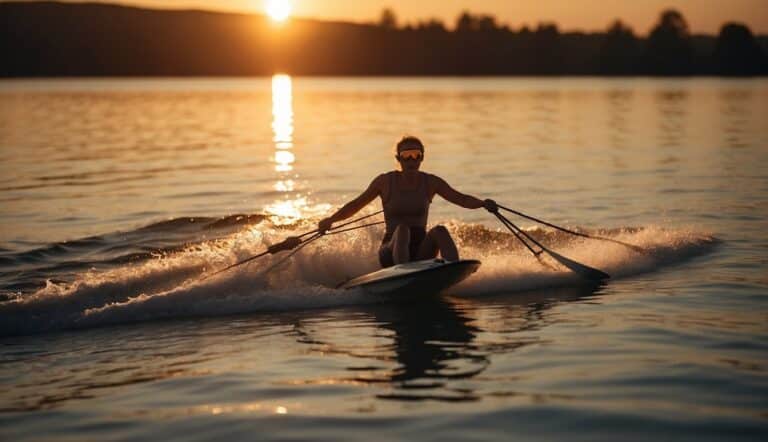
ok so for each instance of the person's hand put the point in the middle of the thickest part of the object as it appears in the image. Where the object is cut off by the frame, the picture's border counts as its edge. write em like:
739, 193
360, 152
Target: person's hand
287, 244
324, 225
491, 206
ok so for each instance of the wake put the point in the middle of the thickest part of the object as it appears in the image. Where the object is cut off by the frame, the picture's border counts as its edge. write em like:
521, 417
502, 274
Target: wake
169, 285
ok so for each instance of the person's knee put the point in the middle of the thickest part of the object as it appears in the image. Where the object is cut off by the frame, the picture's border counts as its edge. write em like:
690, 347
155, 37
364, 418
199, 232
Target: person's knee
442, 238
439, 230
402, 231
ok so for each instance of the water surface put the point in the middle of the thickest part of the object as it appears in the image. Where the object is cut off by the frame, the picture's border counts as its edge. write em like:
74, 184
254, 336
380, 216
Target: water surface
118, 194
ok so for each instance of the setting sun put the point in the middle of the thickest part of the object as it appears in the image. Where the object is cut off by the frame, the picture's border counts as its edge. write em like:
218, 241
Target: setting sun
278, 10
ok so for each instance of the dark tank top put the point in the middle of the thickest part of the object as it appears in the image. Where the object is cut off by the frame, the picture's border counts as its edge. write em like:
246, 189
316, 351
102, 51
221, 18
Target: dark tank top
405, 206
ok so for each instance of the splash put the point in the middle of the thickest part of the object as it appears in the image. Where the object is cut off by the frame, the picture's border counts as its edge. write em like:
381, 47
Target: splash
508, 267
169, 285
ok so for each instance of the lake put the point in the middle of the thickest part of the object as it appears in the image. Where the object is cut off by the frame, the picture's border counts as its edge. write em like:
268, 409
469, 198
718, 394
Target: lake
117, 195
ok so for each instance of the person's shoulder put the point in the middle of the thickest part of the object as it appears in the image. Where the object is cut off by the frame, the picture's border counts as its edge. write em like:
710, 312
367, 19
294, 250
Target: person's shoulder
432, 178
382, 177
435, 184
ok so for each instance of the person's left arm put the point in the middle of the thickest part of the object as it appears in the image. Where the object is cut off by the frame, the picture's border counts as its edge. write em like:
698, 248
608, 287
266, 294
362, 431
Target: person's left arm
452, 195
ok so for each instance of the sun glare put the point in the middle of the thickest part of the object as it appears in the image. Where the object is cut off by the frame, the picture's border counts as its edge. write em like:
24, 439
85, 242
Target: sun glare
278, 10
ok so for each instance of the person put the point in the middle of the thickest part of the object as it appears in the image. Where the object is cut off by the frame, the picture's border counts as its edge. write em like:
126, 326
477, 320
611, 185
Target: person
406, 195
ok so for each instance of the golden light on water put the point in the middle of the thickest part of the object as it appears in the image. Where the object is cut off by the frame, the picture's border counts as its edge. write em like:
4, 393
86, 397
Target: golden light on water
284, 185
284, 210
287, 211
283, 160
278, 10
282, 111
292, 205
282, 122
254, 407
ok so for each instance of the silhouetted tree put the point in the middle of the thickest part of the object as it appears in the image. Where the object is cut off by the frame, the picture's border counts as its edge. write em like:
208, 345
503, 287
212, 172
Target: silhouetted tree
546, 49
479, 46
486, 23
467, 22
620, 51
669, 50
432, 25
464, 22
388, 19
737, 52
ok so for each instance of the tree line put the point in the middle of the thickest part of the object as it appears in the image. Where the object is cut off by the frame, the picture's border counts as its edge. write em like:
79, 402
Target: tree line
669, 49
56, 39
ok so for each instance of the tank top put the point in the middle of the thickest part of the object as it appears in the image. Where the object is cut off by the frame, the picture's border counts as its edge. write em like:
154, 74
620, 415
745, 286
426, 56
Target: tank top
405, 206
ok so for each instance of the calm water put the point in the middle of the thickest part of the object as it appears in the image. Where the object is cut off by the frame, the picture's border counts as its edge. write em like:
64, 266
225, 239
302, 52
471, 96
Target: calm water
116, 195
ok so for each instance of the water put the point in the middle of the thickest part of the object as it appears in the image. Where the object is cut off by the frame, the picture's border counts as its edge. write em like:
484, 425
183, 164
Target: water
117, 194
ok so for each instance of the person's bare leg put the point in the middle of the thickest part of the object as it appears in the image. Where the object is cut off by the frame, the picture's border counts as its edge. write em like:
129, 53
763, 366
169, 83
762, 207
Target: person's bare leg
400, 241
428, 248
438, 239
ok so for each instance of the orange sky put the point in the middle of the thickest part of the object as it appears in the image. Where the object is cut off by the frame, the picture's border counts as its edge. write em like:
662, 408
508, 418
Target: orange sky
704, 16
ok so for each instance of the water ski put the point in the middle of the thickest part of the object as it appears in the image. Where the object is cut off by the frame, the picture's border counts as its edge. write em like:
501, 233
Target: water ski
418, 278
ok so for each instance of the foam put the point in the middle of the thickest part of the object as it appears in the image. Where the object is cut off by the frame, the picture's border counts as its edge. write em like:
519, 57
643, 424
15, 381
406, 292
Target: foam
516, 270
169, 285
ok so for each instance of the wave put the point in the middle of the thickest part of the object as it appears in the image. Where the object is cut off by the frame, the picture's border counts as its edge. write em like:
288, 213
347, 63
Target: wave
164, 281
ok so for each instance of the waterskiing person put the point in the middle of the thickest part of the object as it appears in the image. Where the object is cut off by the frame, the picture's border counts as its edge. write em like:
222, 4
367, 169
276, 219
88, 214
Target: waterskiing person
405, 196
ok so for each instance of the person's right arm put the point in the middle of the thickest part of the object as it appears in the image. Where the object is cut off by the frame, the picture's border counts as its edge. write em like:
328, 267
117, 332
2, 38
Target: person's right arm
354, 206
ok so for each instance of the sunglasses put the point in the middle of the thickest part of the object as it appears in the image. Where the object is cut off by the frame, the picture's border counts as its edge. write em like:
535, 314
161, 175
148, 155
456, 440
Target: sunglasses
411, 154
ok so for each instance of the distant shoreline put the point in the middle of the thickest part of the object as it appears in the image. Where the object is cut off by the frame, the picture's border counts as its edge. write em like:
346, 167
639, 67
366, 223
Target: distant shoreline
99, 40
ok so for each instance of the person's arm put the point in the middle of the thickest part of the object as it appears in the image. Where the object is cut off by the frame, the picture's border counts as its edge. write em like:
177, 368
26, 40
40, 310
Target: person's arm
354, 206
461, 199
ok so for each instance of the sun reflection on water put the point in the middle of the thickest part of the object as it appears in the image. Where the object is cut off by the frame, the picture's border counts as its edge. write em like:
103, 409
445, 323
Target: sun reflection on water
289, 207
284, 186
287, 211
284, 160
282, 113
292, 205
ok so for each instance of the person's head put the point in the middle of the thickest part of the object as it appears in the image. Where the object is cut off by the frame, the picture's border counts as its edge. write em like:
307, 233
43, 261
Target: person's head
409, 152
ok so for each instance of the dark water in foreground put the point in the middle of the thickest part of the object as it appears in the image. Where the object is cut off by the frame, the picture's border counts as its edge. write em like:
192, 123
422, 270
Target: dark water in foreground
116, 195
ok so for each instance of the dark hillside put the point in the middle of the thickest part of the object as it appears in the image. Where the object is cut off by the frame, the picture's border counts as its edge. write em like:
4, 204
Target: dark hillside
64, 39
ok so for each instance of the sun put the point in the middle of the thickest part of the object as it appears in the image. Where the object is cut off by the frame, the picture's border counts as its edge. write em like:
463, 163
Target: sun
278, 10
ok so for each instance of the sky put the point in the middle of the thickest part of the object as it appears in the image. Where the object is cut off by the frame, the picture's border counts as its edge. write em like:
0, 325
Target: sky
703, 16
